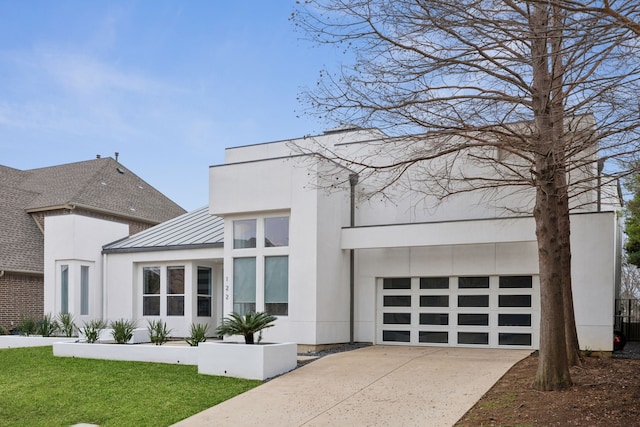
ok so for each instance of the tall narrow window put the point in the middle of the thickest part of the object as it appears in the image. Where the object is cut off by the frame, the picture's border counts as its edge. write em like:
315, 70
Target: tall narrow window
276, 285
244, 285
151, 291
276, 232
244, 234
204, 292
84, 290
64, 288
175, 291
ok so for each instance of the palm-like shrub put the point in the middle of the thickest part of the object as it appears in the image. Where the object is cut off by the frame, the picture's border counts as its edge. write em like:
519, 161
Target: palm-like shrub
122, 330
247, 325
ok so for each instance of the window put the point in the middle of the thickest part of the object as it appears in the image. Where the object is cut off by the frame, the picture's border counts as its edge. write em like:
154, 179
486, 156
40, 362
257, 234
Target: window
204, 292
396, 318
473, 282
244, 285
396, 301
64, 288
434, 283
276, 232
276, 285
151, 291
84, 290
516, 282
434, 300
175, 291
397, 283
244, 234
514, 300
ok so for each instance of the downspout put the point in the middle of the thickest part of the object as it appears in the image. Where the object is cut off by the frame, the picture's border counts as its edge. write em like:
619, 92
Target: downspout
600, 168
104, 287
353, 180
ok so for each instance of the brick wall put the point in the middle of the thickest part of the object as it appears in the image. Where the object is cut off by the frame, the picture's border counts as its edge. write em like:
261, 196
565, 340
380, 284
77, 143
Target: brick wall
20, 295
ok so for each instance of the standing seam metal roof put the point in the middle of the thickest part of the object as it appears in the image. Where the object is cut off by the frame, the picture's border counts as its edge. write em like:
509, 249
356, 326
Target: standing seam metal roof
196, 228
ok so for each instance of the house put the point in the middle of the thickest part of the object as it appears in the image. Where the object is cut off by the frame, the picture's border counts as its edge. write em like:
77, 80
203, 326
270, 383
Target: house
335, 267
66, 212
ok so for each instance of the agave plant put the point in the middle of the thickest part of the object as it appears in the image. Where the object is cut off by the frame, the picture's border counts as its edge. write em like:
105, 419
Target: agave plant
122, 330
158, 332
247, 325
67, 324
92, 329
198, 334
48, 326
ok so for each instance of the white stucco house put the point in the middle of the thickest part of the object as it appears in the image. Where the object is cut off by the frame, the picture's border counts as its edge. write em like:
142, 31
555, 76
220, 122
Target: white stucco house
335, 267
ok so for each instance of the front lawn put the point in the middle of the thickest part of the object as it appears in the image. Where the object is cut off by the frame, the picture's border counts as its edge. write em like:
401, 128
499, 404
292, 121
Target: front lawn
38, 389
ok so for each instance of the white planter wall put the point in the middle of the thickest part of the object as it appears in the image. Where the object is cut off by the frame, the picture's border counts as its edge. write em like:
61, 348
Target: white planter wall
257, 361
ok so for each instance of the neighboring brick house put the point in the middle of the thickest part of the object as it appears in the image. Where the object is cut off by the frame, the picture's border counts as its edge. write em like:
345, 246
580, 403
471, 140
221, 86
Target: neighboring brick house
100, 188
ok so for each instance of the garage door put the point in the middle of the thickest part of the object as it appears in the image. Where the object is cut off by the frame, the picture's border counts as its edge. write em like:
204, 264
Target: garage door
478, 311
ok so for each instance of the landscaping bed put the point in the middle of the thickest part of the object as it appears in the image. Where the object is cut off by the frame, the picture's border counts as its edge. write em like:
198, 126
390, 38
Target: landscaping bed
606, 393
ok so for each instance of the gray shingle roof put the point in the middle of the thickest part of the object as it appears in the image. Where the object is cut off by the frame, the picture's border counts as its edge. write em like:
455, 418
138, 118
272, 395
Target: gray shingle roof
192, 230
101, 185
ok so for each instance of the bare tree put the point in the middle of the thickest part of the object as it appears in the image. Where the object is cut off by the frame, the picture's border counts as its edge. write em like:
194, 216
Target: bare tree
516, 87
630, 282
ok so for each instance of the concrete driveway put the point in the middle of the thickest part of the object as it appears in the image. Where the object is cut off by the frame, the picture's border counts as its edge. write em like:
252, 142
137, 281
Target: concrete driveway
372, 386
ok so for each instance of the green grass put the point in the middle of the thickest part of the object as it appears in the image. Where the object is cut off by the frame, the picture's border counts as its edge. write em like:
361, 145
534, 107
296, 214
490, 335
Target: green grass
38, 389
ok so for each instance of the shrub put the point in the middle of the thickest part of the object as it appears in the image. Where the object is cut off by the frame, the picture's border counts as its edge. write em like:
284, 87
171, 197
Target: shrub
246, 325
198, 334
92, 330
27, 326
122, 330
158, 332
48, 326
67, 325
3, 330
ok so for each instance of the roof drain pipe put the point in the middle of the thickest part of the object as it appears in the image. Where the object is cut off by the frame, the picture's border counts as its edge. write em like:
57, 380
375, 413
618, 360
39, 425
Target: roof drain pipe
353, 180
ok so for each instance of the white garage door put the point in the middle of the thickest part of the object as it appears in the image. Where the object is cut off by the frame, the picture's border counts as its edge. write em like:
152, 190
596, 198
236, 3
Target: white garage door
482, 311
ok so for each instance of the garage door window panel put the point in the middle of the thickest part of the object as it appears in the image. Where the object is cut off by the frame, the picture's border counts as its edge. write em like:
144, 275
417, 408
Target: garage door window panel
480, 338
433, 337
434, 300
397, 283
397, 300
473, 300
514, 301
396, 336
396, 318
514, 339
473, 319
473, 282
434, 318
516, 282
514, 320
434, 283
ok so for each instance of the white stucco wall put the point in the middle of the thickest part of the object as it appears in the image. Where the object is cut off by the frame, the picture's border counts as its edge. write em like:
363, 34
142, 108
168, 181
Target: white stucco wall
594, 264
76, 240
124, 286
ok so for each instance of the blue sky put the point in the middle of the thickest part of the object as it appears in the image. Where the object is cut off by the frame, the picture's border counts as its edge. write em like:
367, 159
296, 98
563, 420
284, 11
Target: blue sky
167, 84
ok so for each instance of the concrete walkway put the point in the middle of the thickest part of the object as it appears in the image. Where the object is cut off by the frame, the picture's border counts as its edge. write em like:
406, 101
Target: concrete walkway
372, 386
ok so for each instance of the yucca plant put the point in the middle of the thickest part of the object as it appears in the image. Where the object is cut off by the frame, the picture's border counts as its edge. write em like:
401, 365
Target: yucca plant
198, 334
91, 330
67, 325
122, 330
48, 326
247, 325
158, 332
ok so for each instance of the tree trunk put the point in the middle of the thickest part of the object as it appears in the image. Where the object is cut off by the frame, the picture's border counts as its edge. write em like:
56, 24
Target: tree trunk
248, 338
553, 368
